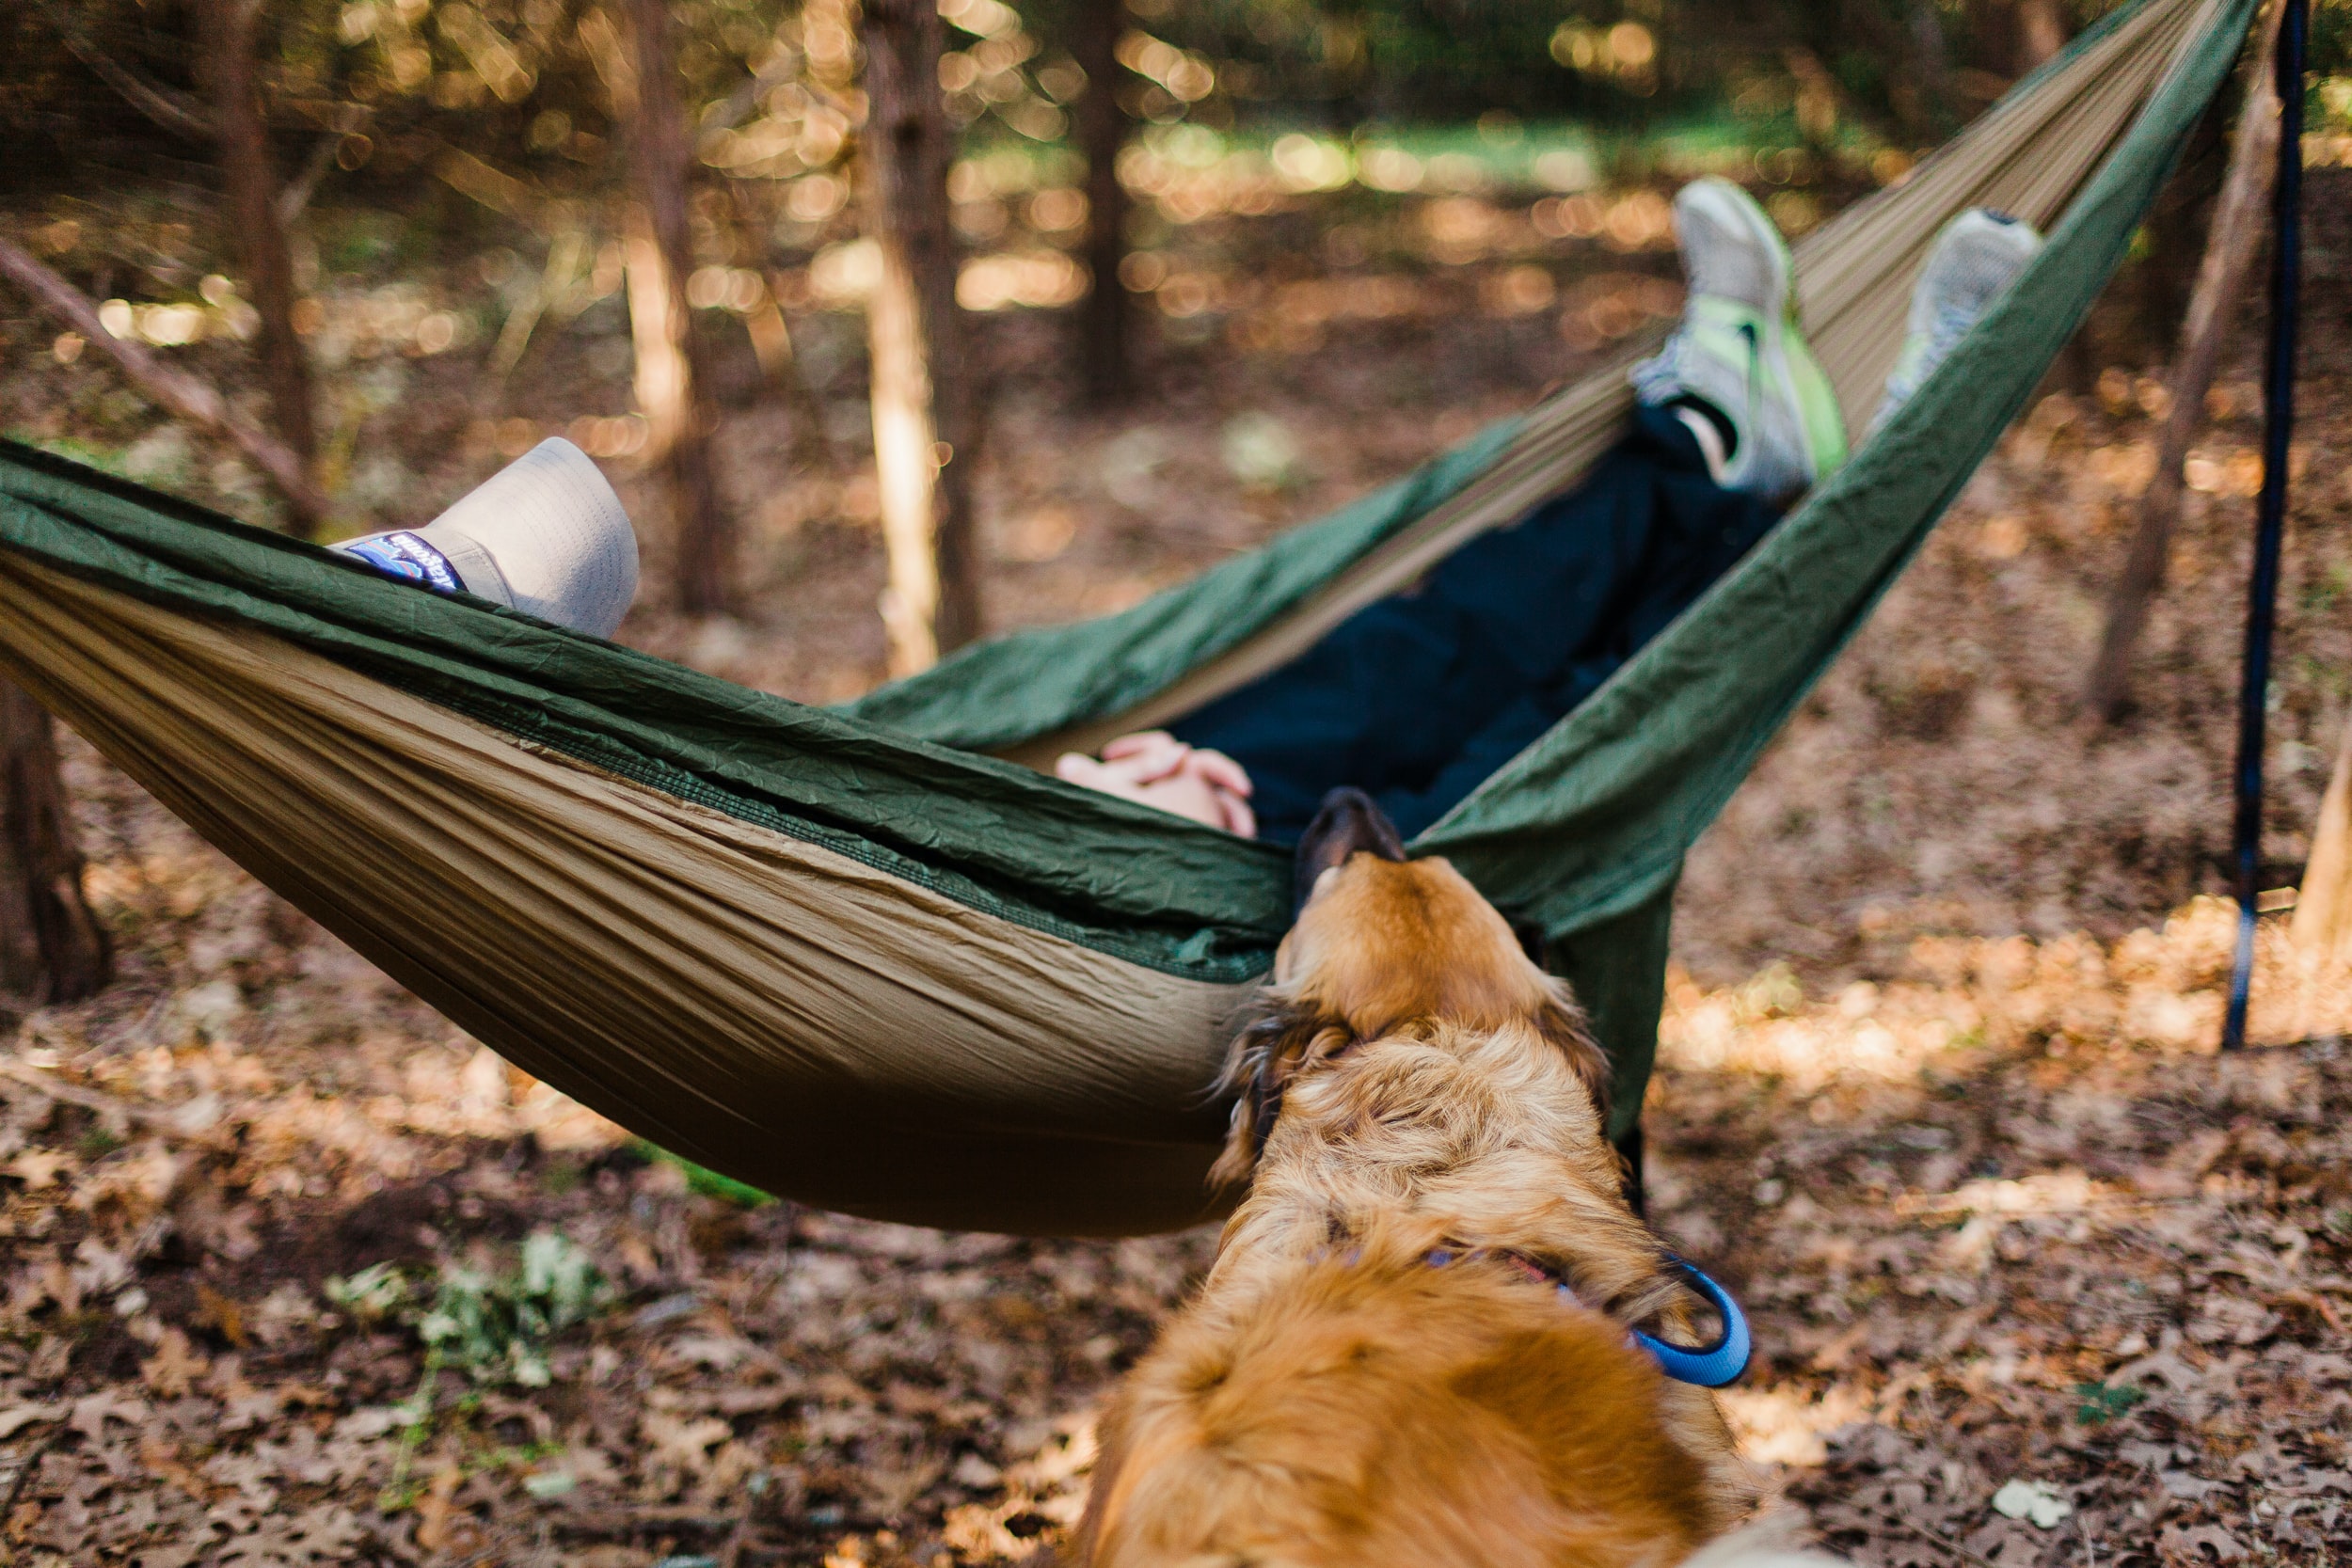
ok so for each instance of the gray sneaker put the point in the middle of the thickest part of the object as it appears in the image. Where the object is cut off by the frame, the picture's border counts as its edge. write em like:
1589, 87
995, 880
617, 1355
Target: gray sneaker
1978, 255
1738, 350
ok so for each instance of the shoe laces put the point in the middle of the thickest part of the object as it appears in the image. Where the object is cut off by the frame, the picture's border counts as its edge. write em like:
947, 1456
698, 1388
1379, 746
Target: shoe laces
1951, 323
1669, 364
1665, 365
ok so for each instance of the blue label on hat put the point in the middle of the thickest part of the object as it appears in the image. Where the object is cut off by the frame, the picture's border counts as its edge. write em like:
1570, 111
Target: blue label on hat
406, 555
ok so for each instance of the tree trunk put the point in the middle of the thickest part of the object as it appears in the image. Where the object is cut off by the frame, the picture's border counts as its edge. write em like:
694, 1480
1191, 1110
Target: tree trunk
244, 163
770, 336
1347, 62
1102, 132
1932, 62
2232, 244
673, 384
52, 947
2040, 32
926, 426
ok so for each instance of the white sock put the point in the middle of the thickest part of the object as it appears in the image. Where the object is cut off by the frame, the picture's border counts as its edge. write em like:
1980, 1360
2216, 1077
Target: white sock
1710, 442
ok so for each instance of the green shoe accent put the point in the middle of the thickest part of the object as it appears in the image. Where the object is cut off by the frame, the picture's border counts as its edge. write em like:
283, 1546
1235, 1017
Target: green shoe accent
1816, 400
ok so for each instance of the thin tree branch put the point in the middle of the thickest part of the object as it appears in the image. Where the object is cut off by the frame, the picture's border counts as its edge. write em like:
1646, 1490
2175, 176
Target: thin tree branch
746, 97
174, 389
297, 194
174, 111
163, 1121
493, 188
1927, 1533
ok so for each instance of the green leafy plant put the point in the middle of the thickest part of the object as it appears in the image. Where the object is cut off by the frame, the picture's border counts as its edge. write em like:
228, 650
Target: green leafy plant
373, 1294
97, 1142
2103, 1402
495, 1327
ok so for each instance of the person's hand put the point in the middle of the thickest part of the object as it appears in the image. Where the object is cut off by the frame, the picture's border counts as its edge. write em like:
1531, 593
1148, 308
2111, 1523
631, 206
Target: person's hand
1154, 768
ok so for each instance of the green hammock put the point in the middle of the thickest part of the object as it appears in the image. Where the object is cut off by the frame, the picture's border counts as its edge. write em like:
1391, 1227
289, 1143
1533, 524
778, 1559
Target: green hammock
869, 956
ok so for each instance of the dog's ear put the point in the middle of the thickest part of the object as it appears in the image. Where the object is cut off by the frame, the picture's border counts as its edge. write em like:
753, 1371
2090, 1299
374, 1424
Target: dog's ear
1562, 1023
1349, 821
1283, 1035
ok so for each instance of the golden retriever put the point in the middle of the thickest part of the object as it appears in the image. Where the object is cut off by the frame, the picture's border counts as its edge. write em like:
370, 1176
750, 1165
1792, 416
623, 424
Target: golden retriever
1413, 1349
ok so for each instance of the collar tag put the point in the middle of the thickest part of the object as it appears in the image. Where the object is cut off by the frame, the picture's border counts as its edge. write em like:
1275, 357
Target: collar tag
1714, 1365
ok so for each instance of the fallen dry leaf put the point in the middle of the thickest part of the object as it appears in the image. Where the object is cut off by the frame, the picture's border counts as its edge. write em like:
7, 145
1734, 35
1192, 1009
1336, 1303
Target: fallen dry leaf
174, 1366
16, 1418
39, 1168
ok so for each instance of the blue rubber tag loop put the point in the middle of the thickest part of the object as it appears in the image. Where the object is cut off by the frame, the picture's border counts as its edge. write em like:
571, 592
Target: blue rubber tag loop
1716, 1364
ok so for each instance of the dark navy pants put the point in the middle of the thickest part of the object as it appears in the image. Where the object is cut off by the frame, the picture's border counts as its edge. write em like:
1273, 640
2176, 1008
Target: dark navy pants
1419, 698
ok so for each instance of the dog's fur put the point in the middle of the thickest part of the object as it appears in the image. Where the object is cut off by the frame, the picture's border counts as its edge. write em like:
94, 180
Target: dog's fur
1332, 1396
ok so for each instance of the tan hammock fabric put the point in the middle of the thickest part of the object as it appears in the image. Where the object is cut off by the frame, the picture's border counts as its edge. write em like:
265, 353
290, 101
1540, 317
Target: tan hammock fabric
755, 972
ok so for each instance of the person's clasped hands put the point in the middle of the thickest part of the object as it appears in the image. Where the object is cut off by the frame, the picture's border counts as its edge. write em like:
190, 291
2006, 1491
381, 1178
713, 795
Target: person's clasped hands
1154, 768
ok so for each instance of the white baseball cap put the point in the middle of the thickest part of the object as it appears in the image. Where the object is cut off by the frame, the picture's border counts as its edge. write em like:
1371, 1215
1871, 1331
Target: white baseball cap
545, 535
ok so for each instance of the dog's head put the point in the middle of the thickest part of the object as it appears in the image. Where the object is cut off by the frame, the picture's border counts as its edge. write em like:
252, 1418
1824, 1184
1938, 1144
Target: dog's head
1384, 945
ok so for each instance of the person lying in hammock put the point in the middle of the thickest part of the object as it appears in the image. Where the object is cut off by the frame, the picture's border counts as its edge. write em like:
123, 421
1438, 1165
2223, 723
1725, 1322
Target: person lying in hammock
1419, 698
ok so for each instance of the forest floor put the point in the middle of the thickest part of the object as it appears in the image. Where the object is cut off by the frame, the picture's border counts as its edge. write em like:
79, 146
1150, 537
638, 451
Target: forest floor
292, 1271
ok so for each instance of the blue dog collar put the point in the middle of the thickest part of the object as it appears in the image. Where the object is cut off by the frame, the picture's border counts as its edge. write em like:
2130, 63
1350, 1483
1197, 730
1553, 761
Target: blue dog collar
1716, 1364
